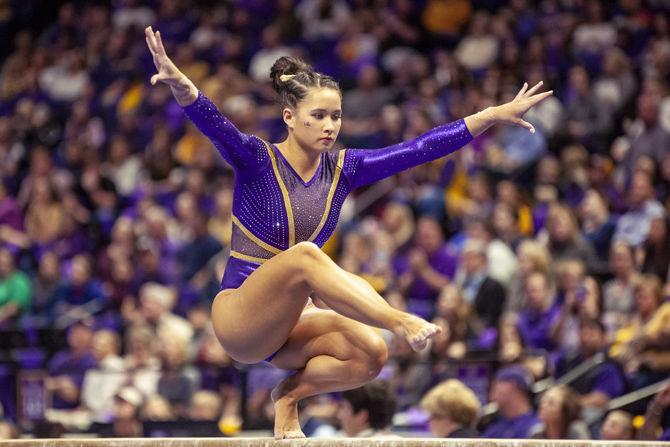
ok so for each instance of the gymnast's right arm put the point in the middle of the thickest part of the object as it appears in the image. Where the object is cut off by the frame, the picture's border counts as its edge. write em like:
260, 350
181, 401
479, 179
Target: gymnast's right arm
235, 147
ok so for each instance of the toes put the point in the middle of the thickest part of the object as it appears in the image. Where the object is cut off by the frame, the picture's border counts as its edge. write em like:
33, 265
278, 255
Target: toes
294, 435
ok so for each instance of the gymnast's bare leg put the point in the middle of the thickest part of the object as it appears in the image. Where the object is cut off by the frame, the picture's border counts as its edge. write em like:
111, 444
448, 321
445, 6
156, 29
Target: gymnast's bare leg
330, 353
257, 319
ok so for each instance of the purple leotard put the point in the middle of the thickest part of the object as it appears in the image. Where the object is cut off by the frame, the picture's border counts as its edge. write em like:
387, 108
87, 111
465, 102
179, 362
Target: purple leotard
273, 208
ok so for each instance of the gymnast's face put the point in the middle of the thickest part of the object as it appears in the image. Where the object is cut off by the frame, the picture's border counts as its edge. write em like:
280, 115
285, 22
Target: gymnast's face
316, 122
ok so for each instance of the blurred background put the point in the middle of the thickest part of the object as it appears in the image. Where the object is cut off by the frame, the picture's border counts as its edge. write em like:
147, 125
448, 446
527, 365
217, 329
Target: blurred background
544, 256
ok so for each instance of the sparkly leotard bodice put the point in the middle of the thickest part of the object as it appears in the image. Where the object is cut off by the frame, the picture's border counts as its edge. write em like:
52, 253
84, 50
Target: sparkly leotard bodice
273, 208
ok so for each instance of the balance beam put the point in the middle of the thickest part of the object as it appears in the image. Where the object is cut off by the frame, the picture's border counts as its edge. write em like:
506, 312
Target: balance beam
318, 442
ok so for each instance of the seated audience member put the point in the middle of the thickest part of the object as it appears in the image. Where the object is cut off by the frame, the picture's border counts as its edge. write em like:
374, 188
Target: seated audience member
652, 429
127, 404
453, 410
82, 294
8, 430
644, 345
618, 426
537, 322
656, 249
485, 294
633, 227
511, 391
597, 224
559, 411
429, 265
578, 298
67, 368
618, 300
157, 302
367, 412
15, 289
565, 240
601, 383
205, 406
141, 359
102, 382
533, 256
175, 384
156, 408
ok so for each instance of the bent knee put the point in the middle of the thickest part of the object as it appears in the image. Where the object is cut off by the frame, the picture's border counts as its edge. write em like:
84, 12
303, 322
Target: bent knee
375, 353
304, 255
305, 249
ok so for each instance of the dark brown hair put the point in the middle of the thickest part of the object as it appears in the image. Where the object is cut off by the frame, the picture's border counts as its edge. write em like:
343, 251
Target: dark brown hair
293, 77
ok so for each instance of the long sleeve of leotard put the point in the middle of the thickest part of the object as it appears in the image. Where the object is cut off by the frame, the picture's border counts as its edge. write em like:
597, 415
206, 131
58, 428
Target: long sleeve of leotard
365, 166
240, 150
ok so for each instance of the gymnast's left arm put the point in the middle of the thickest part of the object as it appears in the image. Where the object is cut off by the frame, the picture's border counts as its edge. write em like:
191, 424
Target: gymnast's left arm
365, 166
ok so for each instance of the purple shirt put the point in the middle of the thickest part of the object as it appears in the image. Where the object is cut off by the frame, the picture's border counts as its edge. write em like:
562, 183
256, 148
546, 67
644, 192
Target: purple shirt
65, 363
444, 260
274, 208
522, 427
535, 328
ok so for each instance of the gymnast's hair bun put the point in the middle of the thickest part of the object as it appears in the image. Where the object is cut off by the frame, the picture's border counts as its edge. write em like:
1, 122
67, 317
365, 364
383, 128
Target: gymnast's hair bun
284, 69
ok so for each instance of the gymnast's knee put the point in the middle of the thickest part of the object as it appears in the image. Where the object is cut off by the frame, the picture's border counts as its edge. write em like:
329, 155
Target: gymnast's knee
376, 355
305, 255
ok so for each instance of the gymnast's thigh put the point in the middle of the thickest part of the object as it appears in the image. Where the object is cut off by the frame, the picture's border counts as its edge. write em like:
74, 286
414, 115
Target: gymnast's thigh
254, 321
324, 332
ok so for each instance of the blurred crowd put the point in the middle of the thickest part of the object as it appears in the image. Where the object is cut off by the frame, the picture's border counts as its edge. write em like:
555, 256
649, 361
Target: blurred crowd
537, 253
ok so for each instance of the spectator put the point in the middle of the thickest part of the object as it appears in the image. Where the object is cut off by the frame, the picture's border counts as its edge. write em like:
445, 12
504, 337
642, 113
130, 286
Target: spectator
656, 249
538, 321
156, 301
618, 426
102, 382
141, 361
15, 290
651, 138
564, 239
78, 297
8, 430
175, 384
483, 293
583, 107
633, 227
597, 224
559, 411
602, 382
532, 257
453, 410
45, 283
127, 404
643, 345
157, 408
511, 392
428, 267
652, 429
367, 412
67, 368
618, 292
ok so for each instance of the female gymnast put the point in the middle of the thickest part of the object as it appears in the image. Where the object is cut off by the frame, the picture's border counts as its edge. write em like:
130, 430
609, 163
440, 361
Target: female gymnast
287, 198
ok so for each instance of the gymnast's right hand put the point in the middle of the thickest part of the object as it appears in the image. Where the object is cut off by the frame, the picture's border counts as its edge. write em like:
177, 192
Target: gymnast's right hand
182, 88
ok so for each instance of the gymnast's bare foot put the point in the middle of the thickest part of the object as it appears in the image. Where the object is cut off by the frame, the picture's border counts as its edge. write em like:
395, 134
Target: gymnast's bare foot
417, 331
287, 424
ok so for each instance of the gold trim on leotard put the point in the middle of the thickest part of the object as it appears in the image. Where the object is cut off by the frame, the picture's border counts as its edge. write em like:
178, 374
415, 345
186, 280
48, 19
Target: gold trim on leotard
254, 238
238, 255
331, 193
284, 191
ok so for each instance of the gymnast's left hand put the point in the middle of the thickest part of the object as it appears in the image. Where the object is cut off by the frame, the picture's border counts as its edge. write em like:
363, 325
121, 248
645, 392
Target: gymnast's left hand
513, 111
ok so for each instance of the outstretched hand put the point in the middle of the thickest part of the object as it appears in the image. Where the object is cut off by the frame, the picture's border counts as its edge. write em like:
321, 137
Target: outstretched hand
513, 111
167, 70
